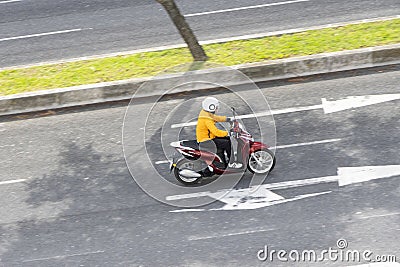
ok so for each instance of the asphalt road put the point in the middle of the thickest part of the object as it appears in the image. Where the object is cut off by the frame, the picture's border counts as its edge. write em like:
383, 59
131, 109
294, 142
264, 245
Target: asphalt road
71, 200
33, 31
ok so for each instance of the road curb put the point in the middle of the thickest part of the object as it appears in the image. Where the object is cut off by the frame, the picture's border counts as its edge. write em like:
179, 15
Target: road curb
265, 71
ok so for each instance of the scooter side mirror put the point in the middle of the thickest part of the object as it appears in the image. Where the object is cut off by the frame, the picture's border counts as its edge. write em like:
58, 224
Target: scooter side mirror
233, 112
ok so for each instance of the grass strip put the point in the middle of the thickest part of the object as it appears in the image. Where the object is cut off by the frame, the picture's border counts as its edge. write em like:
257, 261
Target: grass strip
229, 53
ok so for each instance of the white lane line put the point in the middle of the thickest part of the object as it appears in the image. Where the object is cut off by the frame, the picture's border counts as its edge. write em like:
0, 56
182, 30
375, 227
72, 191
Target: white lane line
280, 147
190, 195
379, 216
162, 162
10, 1
65, 256
13, 145
194, 238
13, 181
308, 143
244, 8
42, 34
260, 114
185, 124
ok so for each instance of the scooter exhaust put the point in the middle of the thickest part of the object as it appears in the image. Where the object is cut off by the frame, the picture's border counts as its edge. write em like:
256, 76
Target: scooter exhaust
189, 173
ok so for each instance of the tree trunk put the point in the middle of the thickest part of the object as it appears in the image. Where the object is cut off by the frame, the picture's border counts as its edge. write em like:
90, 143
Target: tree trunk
187, 34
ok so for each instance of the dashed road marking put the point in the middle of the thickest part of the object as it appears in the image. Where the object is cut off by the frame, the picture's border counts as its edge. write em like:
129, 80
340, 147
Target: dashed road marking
244, 8
42, 34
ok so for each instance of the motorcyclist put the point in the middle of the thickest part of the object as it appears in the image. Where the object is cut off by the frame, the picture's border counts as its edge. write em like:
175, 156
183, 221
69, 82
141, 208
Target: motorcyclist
209, 136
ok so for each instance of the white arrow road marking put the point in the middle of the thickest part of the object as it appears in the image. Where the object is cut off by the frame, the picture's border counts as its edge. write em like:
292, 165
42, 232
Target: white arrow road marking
291, 110
261, 196
248, 203
244, 199
346, 176
300, 183
353, 175
327, 106
356, 102
273, 186
244, 202
244, 8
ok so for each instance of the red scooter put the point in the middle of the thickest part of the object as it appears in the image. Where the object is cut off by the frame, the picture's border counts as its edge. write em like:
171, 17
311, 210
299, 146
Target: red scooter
197, 164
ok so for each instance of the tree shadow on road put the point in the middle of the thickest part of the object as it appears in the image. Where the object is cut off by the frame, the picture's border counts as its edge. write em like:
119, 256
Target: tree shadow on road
82, 171
89, 188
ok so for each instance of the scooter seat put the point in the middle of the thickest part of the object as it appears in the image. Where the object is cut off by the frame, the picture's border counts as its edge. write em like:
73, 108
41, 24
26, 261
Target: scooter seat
191, 143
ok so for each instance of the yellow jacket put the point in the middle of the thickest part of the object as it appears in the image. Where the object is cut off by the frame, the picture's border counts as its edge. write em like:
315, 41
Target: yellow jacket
206, 129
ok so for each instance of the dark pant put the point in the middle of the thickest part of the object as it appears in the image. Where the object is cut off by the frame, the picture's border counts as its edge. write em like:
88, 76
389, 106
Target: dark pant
218, 145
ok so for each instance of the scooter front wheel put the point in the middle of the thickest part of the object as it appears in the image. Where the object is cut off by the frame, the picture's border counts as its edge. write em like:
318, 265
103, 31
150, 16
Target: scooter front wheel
185, 172
261, 161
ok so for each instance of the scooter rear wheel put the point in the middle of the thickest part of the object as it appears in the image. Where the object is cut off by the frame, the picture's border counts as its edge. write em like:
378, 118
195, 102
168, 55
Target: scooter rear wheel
261, 161
185, 164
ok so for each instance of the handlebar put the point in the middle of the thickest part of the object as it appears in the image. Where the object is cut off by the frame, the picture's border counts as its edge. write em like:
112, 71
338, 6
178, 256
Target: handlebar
233, 113
235, 126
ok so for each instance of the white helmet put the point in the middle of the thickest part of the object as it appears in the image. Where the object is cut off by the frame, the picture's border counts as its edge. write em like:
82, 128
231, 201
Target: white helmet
210, 104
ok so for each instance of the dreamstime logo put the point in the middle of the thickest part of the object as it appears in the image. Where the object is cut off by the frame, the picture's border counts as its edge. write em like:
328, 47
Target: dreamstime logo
341, 254
152, 122
342, 243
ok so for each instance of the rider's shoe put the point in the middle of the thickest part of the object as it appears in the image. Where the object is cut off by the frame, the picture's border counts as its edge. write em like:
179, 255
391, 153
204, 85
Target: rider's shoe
235, 165
206, 172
